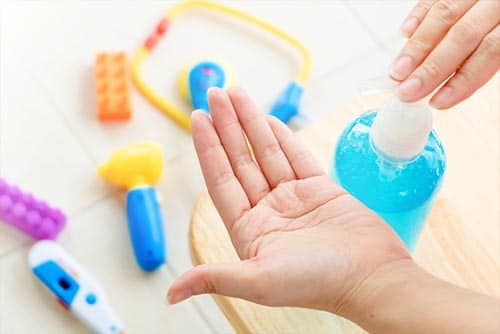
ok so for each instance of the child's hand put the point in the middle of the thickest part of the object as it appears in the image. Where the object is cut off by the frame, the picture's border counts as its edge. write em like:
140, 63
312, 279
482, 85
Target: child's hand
457, 38
302, 239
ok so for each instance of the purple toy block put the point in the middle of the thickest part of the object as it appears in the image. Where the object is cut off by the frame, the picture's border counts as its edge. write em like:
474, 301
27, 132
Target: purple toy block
30, 215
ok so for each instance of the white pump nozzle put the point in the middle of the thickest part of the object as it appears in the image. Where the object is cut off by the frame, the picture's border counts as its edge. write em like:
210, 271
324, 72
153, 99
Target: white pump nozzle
401, 130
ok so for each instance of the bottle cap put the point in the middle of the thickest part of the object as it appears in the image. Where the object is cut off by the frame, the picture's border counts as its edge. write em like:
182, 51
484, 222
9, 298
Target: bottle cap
401, 130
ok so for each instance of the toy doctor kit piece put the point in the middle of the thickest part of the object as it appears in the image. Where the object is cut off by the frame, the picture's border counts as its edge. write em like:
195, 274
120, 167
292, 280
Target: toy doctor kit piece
29, 214
75, 289
137, 168
198, 78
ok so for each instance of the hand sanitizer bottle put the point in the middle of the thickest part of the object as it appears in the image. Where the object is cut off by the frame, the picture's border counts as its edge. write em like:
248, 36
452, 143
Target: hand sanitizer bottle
392, 161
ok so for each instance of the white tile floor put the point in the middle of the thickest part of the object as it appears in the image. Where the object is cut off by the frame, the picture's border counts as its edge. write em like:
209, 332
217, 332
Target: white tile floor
50, 141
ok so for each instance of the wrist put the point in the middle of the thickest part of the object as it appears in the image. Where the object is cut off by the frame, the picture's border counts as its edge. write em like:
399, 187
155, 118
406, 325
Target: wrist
370, 303
401, 297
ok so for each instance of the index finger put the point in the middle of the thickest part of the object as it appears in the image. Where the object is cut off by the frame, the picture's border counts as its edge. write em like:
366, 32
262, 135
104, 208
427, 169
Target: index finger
416, 16
434, 27
454, 49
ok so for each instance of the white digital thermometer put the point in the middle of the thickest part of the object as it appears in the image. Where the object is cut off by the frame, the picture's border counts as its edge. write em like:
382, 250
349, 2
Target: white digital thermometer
76, 290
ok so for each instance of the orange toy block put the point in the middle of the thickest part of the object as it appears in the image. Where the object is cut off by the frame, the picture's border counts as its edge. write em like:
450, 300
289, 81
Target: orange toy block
112, 86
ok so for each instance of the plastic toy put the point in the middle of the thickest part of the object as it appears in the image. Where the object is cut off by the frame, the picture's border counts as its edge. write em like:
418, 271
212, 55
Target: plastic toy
75, 289
195, 81
112, 86
29, 214
285, 108
137, 168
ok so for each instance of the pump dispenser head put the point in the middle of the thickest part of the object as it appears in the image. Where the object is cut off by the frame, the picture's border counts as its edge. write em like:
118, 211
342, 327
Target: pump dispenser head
401, 130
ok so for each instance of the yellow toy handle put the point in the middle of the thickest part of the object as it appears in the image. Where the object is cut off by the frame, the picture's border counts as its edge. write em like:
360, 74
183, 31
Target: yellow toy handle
160, 102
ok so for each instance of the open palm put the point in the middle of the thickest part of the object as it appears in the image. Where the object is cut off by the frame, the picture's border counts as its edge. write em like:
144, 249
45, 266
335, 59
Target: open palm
302, 239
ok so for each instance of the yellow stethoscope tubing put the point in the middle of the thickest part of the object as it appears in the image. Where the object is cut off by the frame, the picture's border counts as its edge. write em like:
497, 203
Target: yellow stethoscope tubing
172, 111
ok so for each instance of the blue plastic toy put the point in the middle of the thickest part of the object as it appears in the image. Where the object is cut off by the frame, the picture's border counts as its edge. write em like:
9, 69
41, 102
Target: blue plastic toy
138, 168
197, 79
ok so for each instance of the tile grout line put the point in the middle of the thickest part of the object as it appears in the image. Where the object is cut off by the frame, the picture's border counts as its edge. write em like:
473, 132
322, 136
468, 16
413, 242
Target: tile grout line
365, 26
60, 114
2, 265
2, 307
195, 305
1, 110
342, 67
64, 119
79, 212
71, 216
83, 210
203, 316
16, 248
383, 44
55, 108
380, 46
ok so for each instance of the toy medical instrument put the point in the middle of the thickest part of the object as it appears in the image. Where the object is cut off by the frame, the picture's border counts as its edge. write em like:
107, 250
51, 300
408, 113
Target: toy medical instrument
195, 81
287, 104
75, 289
137, 168
29, 214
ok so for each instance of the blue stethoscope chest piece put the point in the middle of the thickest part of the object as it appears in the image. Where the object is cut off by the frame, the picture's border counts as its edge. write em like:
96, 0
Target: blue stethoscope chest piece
201, 77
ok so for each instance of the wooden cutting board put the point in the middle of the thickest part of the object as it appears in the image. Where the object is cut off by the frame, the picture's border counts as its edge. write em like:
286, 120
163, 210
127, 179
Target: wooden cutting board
460, 242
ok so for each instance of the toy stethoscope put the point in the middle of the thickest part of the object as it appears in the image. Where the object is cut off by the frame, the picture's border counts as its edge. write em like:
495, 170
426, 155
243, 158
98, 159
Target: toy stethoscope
207, 73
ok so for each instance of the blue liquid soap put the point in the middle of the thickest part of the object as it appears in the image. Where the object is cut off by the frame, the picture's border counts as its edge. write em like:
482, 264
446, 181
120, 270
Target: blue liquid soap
393, 162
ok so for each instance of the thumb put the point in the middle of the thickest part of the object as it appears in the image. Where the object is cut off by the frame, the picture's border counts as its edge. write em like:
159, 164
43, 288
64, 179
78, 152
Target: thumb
232, 279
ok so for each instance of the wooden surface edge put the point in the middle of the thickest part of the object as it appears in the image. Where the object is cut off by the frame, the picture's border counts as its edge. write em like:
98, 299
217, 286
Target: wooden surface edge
227, 309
